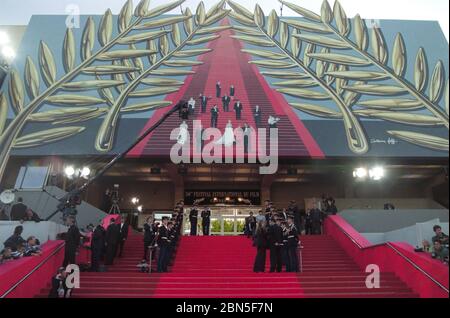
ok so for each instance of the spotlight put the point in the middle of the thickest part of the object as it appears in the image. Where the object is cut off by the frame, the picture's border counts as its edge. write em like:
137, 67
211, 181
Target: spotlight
139, 208
4, 38
85, 172
135, 200
376, 173
8, 53
360, 173
69, 171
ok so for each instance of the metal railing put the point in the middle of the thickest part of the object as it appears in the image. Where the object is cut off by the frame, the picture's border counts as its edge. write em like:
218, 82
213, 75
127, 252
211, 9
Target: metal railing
406, 258
33, 270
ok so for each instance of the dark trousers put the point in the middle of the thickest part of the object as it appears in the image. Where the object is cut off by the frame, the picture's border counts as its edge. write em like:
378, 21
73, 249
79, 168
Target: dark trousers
285, 258
194, 228
260, 260
226, 107
146, 246
316, 228
275, 259
258, 121
163, 259
96, 255
110, 253
69, 255
203, 108
293, 259
214, 122
120, 247
238, 115
205, 228
218, 92
308, 228
246, 144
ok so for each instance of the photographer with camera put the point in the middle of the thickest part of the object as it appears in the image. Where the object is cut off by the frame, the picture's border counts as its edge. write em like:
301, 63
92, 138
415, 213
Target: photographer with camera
440, 236
440, 252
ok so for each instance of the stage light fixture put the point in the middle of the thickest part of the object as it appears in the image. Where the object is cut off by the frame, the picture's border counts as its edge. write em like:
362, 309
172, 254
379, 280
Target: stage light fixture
85, 172
4, 38
376, 173
360, 173
135, 200
69, 171
8, 53
140, 208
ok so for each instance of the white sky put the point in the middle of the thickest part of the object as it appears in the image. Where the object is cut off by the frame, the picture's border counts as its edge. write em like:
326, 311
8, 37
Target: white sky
18, 12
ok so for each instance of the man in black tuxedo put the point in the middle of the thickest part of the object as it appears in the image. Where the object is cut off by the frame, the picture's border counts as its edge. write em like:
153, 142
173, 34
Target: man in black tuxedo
206, 221
275, 235
214, 116
123, 235
18, 210
238, 109
232, 90
112, 239
204, 102
218, 89
193, 216
226, 100
257, 115
72, 242
97, 247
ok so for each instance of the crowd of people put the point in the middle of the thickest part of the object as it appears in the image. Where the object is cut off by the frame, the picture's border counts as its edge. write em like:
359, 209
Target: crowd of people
16, 247
19, 212
160, 240
440, 248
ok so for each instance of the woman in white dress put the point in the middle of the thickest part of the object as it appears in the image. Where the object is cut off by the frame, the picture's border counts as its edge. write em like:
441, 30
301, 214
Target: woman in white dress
183, 133
228, 138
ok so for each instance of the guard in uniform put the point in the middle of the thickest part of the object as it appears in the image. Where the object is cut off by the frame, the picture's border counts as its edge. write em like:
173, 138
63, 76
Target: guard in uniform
292, 241
206, 221
164, 245
284, 247
193, 216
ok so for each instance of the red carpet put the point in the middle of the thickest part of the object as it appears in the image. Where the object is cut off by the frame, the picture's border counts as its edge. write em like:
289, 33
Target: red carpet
227, 64
221, 267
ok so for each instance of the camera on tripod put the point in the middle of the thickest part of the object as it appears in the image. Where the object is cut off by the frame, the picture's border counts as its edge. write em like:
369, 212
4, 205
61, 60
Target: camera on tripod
115, 199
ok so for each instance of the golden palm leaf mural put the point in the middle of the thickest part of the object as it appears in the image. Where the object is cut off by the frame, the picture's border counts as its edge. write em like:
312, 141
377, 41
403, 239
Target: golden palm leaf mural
125, 72
318, 51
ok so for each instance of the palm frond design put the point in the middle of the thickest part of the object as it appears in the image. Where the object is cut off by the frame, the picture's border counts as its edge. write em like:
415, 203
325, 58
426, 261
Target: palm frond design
321, 49
117, 66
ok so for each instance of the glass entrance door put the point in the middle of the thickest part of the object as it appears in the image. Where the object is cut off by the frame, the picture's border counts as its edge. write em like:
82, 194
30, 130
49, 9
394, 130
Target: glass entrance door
225, 220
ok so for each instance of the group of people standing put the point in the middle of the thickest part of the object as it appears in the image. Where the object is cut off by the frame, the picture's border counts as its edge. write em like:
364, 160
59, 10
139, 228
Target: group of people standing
280, 236
162, 238
206, 220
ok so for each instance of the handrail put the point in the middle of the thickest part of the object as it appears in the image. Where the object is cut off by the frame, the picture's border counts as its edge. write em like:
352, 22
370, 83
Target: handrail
32, 271
388, 244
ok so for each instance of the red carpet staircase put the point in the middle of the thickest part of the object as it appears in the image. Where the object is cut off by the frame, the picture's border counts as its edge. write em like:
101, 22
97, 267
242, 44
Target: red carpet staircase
227, 64
221, 267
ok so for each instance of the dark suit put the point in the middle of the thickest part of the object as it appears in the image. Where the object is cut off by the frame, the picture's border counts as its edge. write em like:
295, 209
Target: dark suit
123, 235
275, 234
206, 221
238, 110
232, 91
18, 212
226, 100
164, 249
193, 216
112, 239
292, 241
72, 243
214, 117
261, 246
316, 220
97, 247
218, 90
149, 236
257, 114
204, 103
